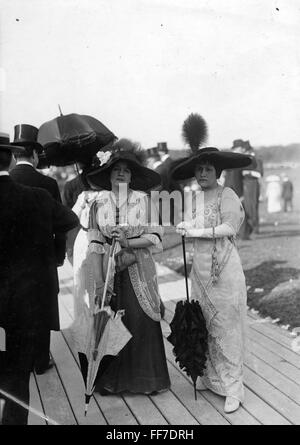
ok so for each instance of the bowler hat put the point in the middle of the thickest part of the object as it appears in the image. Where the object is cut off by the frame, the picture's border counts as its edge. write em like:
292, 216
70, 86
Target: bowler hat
27, 135
5, 145
221, 160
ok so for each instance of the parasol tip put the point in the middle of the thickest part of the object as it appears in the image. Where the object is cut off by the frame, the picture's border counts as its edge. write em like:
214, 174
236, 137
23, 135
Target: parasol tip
60, 110
195, 391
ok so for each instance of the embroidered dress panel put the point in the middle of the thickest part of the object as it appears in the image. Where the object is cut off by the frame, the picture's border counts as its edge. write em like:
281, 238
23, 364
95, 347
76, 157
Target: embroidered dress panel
223, 302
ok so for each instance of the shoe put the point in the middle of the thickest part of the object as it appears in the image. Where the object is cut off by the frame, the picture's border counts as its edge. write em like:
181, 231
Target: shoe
39, 370
231, 404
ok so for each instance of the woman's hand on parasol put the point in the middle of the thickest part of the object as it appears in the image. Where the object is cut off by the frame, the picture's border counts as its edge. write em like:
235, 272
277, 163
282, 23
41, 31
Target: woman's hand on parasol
100, 291
186, 229
120, 236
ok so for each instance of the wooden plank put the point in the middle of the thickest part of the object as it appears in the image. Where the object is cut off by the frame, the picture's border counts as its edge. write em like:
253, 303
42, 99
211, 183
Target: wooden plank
280, 402
285, 368
54, 398
172, 409
270, 327
268, 332
263, 412
73, 383
35, 403
275, 347
113, 407
203, 411
144, 409
271, 375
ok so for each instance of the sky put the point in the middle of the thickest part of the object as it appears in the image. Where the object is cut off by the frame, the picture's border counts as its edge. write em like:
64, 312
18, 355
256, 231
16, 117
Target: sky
142, 66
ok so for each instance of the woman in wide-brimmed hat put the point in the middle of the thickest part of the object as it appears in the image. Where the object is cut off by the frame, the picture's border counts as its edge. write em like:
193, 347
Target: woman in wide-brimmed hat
218, 281
120, 211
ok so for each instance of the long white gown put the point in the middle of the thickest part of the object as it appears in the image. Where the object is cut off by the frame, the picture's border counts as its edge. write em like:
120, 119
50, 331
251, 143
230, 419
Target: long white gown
223, 303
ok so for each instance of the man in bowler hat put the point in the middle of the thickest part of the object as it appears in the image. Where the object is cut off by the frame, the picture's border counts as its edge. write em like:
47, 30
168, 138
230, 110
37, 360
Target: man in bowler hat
28, 219
25, 173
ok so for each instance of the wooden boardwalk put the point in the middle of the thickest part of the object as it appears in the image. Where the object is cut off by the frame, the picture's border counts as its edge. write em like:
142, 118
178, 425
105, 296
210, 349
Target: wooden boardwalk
272, 379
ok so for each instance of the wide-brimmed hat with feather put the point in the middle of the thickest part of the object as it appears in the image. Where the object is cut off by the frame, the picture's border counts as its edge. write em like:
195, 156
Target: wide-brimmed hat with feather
142, 178
194, 133
221, 160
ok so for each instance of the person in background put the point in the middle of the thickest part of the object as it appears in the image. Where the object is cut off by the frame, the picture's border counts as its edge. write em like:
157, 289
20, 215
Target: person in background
71, 191
25, 173
273, 194
251, 188
234, 180
287, 194
153, 158
28, 219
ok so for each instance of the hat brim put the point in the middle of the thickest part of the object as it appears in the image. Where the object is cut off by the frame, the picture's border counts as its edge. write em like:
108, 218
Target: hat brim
142, 178
221, 160
38, 147
12, 148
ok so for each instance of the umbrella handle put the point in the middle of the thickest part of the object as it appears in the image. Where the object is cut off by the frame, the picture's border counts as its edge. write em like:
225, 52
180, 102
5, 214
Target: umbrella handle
185, 268
111, 254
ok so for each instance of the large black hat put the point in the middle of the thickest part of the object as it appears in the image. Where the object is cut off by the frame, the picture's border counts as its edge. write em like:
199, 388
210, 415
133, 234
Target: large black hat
221, 160
142, 178
5, 145
27, 135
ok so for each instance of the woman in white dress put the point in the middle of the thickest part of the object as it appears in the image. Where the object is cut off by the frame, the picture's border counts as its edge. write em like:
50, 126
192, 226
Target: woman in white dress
273, 193
218, 281
82, 282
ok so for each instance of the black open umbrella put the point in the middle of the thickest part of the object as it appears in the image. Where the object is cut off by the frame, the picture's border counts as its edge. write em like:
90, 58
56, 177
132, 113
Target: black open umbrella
189, 334
72, 138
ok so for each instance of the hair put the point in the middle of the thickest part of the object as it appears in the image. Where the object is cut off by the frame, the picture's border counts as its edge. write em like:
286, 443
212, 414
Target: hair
207, 161
27, 153
5, 159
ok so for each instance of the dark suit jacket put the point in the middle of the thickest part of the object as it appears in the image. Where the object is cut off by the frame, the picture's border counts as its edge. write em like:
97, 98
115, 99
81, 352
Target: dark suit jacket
72, 190
28, 219
27, 175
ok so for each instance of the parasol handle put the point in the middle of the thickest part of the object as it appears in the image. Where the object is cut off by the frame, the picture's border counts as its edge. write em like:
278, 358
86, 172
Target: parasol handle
185, 268
60, 110
110, 259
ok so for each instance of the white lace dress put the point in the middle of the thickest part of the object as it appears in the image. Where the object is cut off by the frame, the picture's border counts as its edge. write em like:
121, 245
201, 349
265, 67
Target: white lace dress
223, 303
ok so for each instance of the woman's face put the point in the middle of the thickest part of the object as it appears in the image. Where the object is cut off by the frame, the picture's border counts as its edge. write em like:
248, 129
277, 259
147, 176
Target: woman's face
120, 173
206, 176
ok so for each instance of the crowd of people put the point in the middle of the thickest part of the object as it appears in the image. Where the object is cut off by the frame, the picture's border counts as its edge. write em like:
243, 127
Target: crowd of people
38, 230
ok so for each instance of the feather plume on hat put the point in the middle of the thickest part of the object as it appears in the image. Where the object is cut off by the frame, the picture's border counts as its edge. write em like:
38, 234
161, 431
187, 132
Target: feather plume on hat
194, 131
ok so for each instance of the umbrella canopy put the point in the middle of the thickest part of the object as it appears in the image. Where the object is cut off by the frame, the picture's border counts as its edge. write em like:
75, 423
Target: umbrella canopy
73, 138
189, 334
99, 332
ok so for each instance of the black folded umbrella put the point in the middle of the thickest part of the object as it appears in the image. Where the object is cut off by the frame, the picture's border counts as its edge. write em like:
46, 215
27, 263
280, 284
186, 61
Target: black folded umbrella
72, 138
189, 334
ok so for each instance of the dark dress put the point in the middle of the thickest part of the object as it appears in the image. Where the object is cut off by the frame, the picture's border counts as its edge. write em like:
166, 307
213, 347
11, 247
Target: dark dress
141, 366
